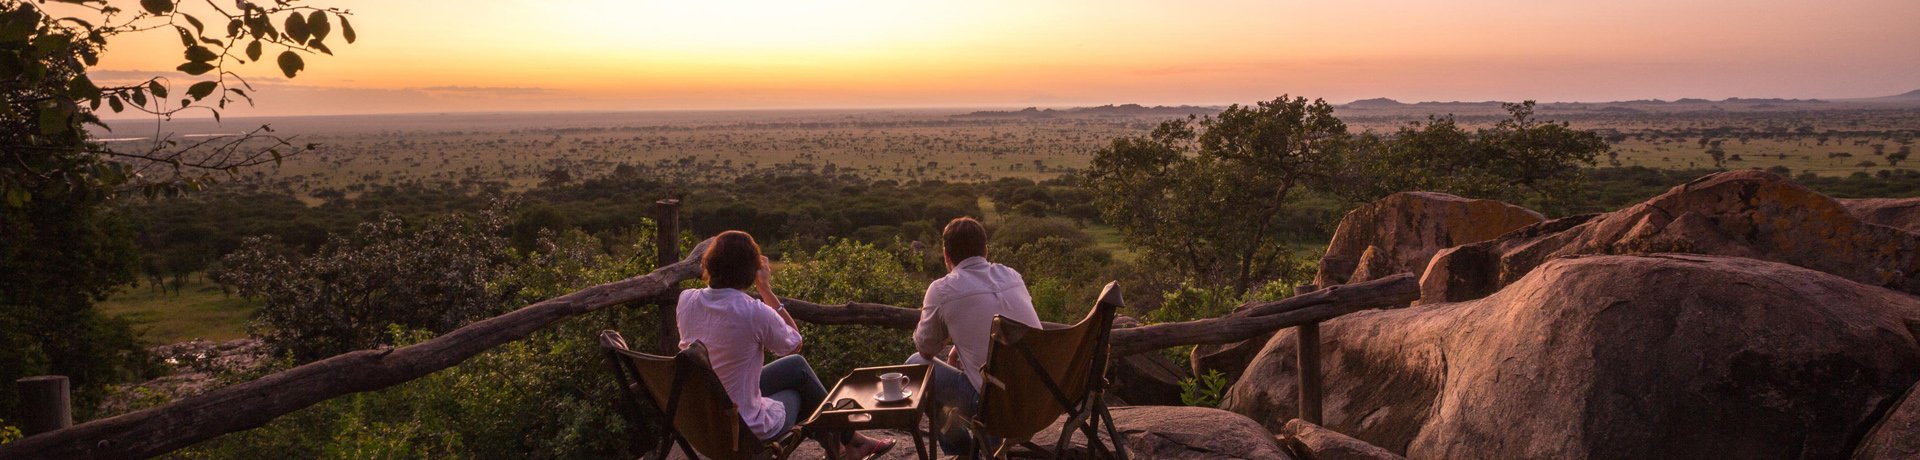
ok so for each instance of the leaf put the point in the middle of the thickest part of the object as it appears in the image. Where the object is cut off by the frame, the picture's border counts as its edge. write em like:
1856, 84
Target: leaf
54, 118
253, 51
195, 68
317, 25
200, 54
290, 63
201, 90
233, 28
139, 98
186, 38
114, 103
157, 7
296, 27
197, 26
346, 29
157, 89
320, 46
82, 87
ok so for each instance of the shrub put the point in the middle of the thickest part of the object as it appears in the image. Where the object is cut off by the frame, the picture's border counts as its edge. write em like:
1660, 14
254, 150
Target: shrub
847, 271
1205, 390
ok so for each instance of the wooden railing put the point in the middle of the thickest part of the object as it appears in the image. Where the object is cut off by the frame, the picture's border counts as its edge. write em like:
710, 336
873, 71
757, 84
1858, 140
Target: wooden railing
155, 431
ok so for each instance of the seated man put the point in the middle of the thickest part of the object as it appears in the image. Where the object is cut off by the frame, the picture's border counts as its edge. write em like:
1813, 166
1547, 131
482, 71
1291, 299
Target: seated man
959, 309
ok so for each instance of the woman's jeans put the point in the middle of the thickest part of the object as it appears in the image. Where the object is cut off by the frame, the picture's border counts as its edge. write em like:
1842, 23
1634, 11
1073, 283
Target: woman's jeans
791, 381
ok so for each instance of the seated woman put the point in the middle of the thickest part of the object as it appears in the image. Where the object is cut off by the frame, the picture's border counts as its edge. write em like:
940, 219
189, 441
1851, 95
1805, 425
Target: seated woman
738, 330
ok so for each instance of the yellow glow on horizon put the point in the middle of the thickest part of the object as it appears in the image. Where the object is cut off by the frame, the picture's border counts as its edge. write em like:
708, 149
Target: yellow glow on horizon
768, 53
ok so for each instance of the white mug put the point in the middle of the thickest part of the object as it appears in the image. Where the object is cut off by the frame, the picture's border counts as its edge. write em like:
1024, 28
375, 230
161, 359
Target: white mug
893, 385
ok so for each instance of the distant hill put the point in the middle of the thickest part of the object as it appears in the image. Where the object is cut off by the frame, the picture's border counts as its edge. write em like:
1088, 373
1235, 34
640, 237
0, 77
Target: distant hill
1105, 110
1910, 96
1375, 103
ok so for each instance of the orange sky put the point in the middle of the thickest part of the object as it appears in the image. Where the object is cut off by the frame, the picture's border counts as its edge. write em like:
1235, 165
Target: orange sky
498, 55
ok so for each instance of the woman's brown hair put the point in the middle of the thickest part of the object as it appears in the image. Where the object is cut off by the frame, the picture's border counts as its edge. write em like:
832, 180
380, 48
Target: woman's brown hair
732, 261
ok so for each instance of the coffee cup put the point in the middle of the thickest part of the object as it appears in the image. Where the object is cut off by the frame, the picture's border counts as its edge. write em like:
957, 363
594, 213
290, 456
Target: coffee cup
893, 385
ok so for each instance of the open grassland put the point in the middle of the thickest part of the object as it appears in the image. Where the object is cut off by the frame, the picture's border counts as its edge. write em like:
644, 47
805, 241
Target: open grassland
519, 151
198, 311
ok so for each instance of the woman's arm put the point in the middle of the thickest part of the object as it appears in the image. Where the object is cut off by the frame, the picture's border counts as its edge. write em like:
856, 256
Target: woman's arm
763, 281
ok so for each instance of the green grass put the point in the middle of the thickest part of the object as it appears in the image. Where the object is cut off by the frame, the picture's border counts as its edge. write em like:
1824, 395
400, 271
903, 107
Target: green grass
199, 311
1108, 238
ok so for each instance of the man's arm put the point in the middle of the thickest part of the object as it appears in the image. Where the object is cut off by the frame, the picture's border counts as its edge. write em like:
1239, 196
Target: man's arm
930, 336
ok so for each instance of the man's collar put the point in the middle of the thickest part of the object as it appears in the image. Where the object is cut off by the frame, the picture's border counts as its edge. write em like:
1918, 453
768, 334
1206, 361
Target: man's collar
970, 262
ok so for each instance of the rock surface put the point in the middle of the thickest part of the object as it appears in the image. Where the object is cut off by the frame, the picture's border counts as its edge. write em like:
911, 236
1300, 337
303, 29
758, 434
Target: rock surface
1752, 214
1178, 433
1397, 234
1898, 434
1664, 356
1900, 213
1152, 432
1320, 443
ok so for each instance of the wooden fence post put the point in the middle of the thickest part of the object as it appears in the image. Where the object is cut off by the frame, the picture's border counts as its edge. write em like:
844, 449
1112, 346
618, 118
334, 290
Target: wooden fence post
1309, 348
666, 243
1308, 359
45, 402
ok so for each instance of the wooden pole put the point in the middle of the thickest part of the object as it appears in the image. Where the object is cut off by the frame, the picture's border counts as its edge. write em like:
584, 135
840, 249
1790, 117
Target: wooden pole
666, 245
1309, 356
46, 404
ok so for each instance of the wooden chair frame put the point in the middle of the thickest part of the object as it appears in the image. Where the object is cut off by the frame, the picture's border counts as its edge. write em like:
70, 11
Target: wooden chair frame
1085, 409
689, 368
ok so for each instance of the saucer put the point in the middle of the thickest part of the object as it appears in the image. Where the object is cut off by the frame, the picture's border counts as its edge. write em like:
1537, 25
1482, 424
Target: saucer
882, 398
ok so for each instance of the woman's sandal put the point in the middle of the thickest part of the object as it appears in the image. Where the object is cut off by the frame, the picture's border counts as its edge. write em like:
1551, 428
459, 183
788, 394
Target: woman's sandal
879, 447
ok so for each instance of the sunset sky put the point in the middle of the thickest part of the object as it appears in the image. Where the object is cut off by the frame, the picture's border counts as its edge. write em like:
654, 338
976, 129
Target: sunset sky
504, 55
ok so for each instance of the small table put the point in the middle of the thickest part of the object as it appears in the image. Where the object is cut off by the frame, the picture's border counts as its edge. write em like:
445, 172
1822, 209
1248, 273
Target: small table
869, 414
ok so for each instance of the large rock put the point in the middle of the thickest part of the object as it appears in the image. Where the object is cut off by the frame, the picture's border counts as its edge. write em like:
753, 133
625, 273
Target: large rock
1663, 356
1751, 214
1394, 235
1897, 436
1179, 432
1397, 234
1901, 213
1319, 443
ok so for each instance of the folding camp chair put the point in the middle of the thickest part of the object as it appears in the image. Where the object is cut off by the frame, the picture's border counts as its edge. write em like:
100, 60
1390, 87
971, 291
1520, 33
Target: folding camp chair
1033, 376
696, 413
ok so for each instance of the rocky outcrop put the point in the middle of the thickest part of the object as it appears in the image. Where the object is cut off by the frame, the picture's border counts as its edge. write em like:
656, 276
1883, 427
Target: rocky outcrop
1397, 234
1177, 432
1315, 442
1752, 214
1394, 235
193, 367
1900, 213
1662, 356
1897, 436
1146, 379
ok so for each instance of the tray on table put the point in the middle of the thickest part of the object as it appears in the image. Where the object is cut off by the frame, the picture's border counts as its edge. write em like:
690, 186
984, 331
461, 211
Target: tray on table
863, 385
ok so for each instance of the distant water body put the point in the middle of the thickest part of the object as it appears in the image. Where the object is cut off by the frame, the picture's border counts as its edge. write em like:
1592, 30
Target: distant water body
131, 139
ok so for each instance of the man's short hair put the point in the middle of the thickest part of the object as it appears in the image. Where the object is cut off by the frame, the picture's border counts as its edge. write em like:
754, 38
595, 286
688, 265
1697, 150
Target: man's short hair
964, 238
732, 261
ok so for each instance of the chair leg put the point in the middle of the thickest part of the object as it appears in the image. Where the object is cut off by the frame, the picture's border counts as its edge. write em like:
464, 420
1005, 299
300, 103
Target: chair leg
1113, 433
1066, 432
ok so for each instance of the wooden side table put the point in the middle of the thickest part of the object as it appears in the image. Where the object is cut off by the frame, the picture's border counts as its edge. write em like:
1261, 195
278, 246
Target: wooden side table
867, 413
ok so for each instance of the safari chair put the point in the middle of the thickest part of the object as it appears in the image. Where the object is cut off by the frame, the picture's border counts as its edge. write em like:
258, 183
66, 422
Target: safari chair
1033, 376
696, 413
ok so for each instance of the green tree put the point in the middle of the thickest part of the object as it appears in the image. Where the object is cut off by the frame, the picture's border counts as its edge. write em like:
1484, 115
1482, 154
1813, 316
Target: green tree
1520, 159
1202, 197
343, 297
61, 246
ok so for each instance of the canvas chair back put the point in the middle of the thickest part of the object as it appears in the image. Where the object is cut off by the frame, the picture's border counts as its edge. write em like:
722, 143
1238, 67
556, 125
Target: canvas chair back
1033, 376
684, 388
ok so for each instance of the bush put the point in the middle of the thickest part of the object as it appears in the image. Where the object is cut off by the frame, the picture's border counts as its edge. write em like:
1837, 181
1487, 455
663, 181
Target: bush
551, 395
1205, 390
341, 298
847, 271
